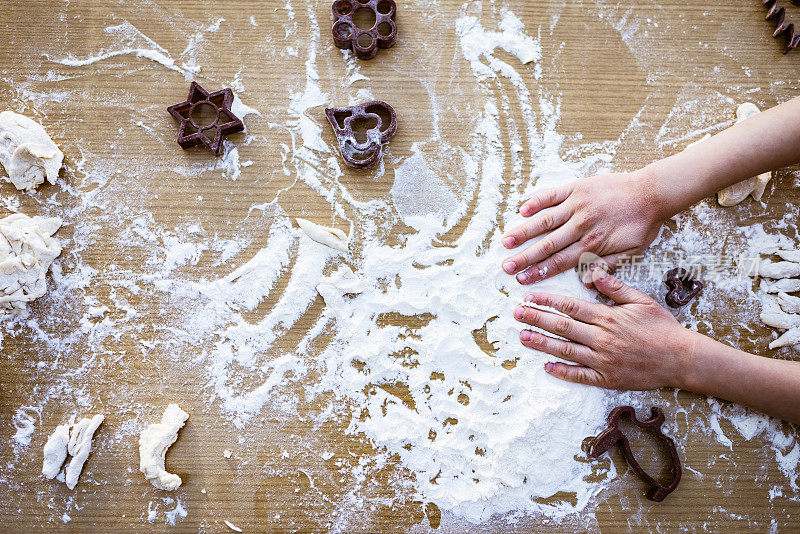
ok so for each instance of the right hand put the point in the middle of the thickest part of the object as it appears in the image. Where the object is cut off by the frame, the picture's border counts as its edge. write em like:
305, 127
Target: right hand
610, 215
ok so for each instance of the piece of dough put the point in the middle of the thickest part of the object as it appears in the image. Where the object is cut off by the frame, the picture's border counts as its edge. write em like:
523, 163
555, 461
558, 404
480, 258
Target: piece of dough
754, 186
27, 152
80, 445
778, 270
153, 444
785, 285
55, 451
332, 237
777, 318
789, 255
341, 282
790, 337
788, 303
27, 248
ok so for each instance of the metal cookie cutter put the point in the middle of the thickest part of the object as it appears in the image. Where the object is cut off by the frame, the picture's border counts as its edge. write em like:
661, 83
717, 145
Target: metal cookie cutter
613, 435
365, 43
682, 287
365, 154
195, 130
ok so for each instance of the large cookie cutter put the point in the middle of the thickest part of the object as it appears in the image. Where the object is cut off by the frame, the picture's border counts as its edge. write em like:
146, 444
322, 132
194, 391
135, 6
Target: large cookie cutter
365, 154
682, 287
613, 436
365, 43
188, 111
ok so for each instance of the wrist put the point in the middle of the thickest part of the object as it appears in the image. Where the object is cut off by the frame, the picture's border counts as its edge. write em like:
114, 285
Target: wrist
690, 353
656, 194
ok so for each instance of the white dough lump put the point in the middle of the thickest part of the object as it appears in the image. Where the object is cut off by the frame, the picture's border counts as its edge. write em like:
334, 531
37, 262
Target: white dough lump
331, 237
27, 248
27, 152
75, 440
153, 444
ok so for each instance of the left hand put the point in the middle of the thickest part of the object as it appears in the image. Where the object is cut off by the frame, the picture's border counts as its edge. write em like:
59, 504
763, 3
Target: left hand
635, 345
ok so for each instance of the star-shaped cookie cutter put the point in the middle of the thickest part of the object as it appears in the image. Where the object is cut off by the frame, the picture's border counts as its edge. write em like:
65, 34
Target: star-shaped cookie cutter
682, 287
364, 154
614, 436
189, 113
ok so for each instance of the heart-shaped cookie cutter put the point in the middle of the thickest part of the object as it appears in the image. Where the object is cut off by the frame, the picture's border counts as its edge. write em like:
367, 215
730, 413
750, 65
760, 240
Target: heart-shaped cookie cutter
682, 287
365, 43
614, 436
365, 154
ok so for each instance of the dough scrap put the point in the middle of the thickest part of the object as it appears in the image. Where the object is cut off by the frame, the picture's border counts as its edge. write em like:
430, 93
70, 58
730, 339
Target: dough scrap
790, 337
80, 445
27, 152
755, 186
788, 303
70, 439
789, 255
55, 451
785, 285
153, 444
27, 249
778, 270
777, 318
343, 281
332, 237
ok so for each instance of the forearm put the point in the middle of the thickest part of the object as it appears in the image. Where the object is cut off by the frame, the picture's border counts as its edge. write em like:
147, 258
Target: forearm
768, 385
764, 142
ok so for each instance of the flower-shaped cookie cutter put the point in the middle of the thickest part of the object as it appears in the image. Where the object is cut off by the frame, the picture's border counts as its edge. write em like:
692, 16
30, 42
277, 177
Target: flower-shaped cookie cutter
364, 153
364, 42
613, 436
682, 287
194, 114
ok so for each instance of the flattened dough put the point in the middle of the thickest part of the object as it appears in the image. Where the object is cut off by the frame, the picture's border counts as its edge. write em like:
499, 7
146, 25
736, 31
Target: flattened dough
27, 152
27, 248
332, 237
153, 444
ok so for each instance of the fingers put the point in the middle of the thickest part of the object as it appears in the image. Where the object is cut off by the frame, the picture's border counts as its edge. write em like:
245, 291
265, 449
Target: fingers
616, 290
544, 222
566, 350
557, 324
542, 249
576, 308
579, 374
559, 262
545, 199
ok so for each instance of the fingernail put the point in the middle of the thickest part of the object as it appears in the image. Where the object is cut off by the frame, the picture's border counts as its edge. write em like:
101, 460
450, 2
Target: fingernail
509, 267
530, 297
525, 211
601, 273
523, 277
519, 313
548, 367
525, 335
509, 242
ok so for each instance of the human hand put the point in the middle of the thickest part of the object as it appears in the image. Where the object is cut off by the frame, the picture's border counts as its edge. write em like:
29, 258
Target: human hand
611, 215
635, 345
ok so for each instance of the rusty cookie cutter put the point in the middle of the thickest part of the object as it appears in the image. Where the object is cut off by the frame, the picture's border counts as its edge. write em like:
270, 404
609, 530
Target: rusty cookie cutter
613, 436
364, 42
365, 154
682, 287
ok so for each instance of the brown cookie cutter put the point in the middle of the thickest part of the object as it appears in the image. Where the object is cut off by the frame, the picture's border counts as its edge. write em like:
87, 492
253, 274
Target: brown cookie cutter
364, 154
365, 43
778, 12
682, 287
212, 133
613, 436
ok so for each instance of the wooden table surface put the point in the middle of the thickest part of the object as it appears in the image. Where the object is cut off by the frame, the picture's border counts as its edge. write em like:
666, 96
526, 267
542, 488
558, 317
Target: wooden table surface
637, 79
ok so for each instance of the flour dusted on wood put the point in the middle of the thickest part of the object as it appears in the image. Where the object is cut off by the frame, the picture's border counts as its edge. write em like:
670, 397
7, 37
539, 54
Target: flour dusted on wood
153, 444
27, 152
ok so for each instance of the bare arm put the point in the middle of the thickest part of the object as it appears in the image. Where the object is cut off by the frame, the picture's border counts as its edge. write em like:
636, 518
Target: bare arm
639, 345
617, 214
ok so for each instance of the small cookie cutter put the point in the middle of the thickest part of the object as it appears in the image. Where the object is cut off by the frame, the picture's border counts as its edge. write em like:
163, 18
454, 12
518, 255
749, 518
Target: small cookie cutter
778, 12
221, 102
613, 436
682, 287
366, 154
365, 43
